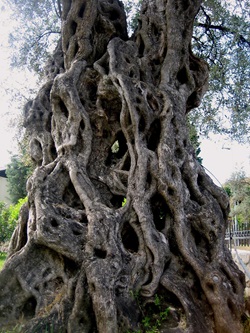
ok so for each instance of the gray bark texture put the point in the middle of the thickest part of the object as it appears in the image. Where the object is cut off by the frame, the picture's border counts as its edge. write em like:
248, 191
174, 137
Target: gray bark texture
109, 124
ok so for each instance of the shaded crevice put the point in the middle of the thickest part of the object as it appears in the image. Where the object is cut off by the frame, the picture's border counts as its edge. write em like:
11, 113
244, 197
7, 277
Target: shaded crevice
182, 75
148, 180
80, 142
122, 145
118, 27
129, 237
88, 82
54, 223
232, 307
142, 124
91, 89
84, 219
53, 152
202, 244
81, 11
127, 310
197, 291
154, 134
71, 268
124, 180
117, 200
71, 198
100, 253
117, 150
173, 245
114, 15
161, 211
48, 123
179, 153
57, 283
200, 180
82, 125
192, 101
73, 27
126, 163
170, 298
76, 229
29, 309
132, 73
99, 26
63, 108
141, 47
111, 105
171, 191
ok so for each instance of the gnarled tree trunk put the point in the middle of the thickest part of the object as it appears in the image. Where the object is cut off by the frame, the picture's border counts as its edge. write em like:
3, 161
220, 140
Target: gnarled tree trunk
120, 214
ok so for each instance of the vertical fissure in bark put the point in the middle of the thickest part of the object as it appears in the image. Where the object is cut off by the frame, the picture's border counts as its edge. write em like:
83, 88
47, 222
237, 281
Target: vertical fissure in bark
119, 210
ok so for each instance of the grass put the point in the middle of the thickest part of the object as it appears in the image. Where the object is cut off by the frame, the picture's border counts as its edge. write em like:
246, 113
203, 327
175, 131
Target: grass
2, 259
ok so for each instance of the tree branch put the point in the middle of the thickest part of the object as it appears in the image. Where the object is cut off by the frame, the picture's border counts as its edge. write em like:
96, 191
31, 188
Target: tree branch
225, 30
43, 35
57, 7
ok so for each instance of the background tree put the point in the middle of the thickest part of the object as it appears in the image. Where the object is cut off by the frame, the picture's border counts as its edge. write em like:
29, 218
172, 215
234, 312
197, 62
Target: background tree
222, 37
239, 191
83, 261
17, 172
37, 34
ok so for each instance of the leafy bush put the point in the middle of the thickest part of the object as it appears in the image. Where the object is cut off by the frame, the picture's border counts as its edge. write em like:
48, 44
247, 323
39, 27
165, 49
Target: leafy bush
2, 259
8, 219
17, 172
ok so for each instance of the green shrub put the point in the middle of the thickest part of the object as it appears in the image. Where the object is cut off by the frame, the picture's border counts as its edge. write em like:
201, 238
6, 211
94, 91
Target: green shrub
17, 171
8, 219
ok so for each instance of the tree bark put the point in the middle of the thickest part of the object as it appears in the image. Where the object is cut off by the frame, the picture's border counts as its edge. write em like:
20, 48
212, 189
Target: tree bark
120, 213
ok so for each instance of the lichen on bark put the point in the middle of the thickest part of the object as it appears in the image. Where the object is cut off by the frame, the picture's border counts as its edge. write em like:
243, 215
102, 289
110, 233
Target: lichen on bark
79, 255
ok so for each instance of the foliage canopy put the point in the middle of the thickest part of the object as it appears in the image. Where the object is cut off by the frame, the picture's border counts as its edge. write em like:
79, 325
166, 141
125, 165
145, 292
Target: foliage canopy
221, 36
37, 33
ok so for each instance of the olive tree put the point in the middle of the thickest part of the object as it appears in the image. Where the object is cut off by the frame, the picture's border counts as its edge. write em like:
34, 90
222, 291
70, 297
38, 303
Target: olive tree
122, 221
